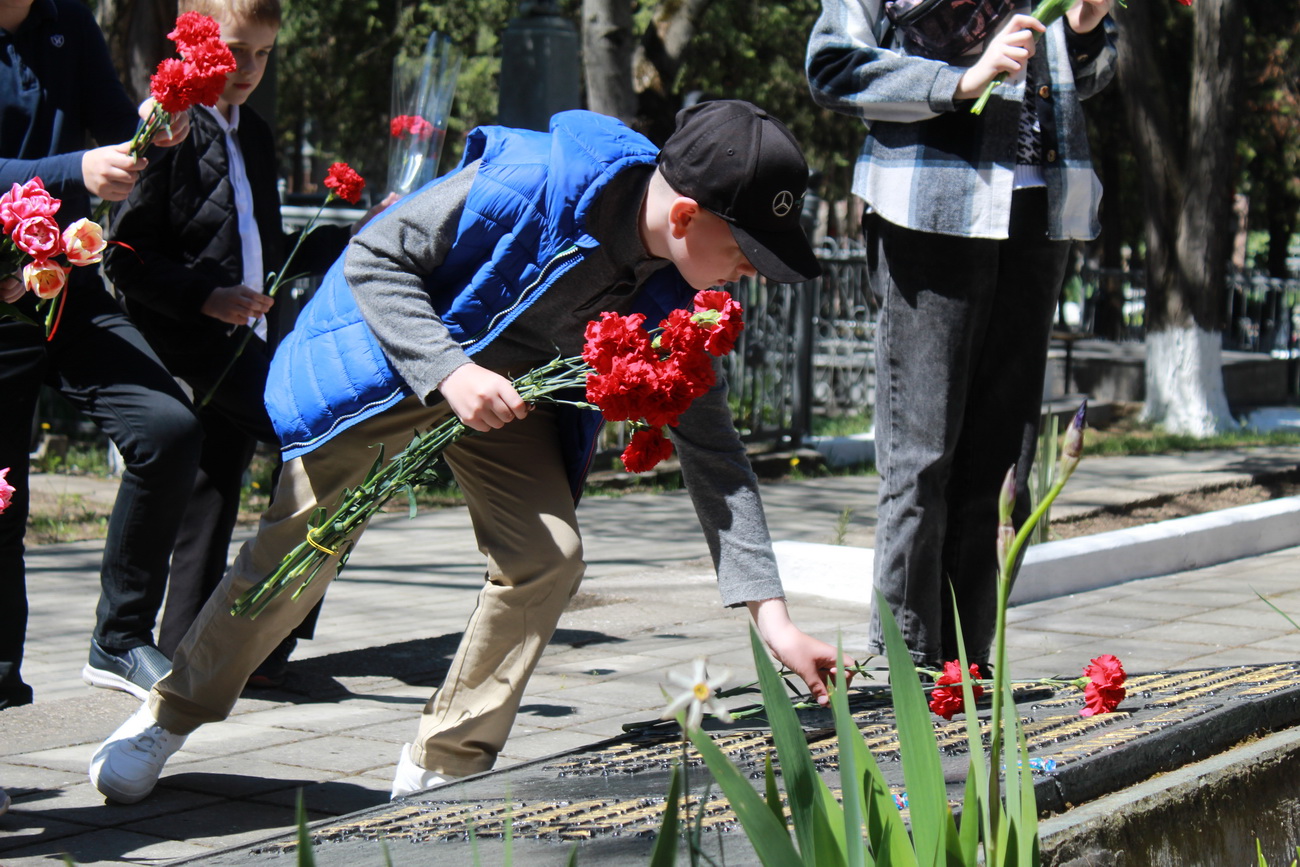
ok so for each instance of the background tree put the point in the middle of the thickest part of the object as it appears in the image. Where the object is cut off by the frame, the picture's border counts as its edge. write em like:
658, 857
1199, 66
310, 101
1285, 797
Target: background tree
136, 32
1185, 150
1269, 149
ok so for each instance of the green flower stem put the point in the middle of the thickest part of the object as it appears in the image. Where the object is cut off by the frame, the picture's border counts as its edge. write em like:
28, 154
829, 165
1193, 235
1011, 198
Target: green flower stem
1047, 11
270, 293
1006, 579
333, 536
144, 134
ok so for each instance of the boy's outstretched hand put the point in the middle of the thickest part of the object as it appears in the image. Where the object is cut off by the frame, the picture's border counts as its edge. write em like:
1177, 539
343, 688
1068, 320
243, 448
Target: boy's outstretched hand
810, 658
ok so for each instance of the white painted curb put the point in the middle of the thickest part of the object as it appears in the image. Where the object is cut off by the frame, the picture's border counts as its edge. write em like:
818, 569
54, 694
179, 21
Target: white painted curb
1075, 565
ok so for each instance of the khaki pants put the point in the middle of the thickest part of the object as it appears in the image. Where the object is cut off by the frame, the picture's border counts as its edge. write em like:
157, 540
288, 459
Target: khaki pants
520, 503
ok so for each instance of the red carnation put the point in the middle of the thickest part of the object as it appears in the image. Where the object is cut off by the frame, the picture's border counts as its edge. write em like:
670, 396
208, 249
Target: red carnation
345, 183
646, 449
193, 28
410, 124
1106, 689
722, 315
627, 391
614, 336
681, 333
946, 702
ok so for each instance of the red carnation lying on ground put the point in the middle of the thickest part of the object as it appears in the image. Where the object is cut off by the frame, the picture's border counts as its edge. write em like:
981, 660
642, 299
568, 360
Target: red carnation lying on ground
345, 183
1106, 689
946, 702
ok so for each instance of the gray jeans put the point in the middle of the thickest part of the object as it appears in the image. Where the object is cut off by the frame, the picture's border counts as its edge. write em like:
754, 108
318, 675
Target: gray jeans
961, 350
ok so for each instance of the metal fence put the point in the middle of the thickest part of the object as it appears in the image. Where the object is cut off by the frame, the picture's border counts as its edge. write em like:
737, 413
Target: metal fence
808, 349
1261, 314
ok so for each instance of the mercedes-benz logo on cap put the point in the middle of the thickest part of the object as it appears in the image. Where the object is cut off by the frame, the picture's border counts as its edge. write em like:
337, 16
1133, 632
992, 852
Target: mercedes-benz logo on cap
783, 202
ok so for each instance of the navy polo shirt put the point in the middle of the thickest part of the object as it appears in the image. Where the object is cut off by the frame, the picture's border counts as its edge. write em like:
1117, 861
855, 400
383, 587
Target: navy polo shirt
59, 95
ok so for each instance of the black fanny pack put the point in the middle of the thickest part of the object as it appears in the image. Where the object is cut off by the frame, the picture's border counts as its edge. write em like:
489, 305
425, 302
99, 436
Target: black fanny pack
946, 29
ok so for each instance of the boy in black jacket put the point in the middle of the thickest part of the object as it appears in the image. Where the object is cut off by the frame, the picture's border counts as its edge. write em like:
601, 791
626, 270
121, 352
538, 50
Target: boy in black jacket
198, 235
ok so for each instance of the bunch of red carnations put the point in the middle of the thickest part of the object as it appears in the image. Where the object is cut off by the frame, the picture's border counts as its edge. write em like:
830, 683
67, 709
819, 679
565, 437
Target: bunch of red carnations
629, 375
37, 249
197, 77
650, 380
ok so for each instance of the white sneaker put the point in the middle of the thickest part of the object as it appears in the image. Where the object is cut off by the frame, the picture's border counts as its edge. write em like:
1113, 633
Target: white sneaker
411, 778
126, 767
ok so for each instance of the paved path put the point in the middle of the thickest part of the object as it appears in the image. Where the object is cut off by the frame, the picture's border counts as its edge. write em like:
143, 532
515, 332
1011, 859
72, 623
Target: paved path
391, 623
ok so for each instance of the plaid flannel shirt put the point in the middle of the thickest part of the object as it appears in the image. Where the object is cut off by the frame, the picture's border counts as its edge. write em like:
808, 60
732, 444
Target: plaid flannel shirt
927, 162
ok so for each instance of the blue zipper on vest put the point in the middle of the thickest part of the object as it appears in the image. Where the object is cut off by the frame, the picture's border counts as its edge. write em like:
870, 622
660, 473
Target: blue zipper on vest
547, 273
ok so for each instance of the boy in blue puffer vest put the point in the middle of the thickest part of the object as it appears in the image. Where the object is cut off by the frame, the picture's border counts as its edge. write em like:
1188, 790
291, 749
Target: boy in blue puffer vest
479, 276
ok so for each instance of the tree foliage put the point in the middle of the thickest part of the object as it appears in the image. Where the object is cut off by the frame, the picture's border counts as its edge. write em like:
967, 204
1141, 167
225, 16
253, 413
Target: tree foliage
1269, 147
334, 67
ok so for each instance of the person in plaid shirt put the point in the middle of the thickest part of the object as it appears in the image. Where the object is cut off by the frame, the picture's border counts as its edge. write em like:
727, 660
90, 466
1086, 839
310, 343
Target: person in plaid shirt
968, 224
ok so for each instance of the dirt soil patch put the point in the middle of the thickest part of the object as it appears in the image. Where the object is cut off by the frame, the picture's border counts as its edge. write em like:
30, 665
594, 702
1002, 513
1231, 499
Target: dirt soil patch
1259, 490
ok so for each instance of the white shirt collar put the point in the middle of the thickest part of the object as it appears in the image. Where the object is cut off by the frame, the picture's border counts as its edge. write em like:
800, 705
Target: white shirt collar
227, 126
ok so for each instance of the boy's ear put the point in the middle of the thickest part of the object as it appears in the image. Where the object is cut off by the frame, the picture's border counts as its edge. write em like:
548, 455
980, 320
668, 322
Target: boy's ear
681, 213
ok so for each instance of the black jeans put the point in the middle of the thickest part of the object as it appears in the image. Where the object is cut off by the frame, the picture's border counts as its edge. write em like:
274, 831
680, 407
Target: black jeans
106, 369
961, 349
234, 422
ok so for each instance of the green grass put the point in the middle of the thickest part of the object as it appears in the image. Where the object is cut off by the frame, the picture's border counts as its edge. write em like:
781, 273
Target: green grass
841, 425
83, 458
1137, 439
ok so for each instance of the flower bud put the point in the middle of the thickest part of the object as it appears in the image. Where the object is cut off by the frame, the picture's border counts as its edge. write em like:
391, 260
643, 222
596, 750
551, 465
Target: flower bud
1006, 538
1072, 448
83, 242
45, 279
1007, 496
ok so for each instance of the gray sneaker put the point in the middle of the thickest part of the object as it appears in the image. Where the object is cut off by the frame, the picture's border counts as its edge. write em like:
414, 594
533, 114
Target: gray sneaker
134, 671
126, 767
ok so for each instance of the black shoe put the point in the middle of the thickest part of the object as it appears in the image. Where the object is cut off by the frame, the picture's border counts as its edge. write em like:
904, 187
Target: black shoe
16, 697
275, 668
134, 671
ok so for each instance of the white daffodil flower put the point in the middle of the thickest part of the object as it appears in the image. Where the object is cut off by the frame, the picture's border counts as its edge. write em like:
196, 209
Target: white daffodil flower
697, 696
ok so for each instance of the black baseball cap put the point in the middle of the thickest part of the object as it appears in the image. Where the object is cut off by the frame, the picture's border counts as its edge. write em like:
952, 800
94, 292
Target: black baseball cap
743, 165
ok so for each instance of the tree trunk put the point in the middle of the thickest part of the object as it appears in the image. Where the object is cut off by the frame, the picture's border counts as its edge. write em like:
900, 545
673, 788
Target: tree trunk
607, 50
1187, 170
136, 31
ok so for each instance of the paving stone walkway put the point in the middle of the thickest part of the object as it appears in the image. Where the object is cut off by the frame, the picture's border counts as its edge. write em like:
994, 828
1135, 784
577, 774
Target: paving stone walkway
391, 623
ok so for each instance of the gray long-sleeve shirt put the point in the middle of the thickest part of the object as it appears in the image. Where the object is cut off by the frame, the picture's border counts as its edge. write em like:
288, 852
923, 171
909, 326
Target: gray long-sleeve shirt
385, 267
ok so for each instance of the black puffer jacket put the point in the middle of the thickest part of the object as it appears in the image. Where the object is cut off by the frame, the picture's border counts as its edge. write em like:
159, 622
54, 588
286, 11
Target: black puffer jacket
178, 234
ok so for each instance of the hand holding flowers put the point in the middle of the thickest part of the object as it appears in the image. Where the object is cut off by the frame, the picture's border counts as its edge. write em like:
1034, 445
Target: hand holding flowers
343, 183
1084, 15
197, 77
33, 242
628, 374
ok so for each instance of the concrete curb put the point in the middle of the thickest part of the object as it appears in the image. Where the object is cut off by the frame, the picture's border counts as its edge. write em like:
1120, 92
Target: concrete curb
1075, 565
1243, 794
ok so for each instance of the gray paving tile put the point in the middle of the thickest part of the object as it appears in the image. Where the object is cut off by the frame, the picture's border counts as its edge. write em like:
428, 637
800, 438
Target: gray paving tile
332, 753
228, 823
103, 847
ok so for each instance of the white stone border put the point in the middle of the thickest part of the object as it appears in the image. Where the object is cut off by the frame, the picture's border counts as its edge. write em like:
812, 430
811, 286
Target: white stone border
1080, 564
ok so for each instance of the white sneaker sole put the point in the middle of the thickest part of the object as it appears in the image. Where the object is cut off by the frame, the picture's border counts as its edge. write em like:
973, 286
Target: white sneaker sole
107, 680
108, 790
